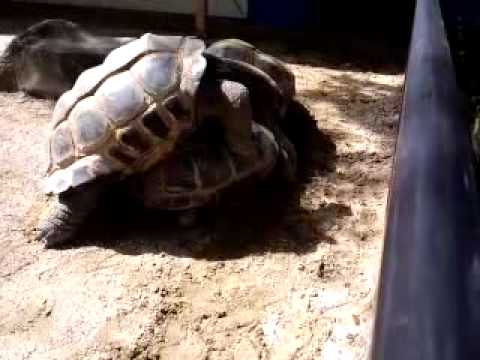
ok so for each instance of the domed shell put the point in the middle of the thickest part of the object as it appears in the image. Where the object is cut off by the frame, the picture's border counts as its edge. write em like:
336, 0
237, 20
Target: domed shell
116, 118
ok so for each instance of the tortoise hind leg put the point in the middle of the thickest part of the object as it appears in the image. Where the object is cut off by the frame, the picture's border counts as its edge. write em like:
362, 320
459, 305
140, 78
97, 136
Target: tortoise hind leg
67, 212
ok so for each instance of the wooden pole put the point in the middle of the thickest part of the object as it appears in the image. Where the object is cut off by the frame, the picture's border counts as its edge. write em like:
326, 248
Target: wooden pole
201, 13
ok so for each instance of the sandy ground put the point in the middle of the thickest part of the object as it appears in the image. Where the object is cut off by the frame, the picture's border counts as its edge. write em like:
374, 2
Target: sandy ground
291, 281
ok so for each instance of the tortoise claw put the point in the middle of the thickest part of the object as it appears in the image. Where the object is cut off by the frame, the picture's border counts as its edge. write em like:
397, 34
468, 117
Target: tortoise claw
52, 235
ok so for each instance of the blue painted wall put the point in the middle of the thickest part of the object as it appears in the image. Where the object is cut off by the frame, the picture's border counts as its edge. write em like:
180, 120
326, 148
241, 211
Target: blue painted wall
334, 15
286, 14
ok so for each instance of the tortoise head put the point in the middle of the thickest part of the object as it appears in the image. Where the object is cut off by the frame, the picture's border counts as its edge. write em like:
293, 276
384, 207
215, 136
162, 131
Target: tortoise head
8, 81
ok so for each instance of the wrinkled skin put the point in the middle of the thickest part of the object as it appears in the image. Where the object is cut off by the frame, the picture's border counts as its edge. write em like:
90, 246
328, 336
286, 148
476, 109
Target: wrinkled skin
67, 212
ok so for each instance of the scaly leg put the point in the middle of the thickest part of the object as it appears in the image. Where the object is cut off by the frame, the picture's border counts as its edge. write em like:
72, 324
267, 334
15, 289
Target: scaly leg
263, 114
67, 212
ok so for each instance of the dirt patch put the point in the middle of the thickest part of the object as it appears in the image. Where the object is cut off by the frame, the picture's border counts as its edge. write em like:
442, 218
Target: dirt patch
294, 280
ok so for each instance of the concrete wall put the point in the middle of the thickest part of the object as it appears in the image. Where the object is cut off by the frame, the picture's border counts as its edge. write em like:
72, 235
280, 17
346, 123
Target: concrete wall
226, 8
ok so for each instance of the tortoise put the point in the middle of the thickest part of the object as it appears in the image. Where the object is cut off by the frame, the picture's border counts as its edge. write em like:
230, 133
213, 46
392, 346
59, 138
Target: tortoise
46, 58
130, 113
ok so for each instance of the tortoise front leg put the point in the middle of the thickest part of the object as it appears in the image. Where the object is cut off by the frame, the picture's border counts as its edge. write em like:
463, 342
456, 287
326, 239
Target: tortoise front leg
264, 114
66, 212
231, 103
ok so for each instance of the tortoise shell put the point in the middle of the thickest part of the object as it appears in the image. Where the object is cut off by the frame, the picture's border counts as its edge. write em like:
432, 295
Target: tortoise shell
127, 113
197, 176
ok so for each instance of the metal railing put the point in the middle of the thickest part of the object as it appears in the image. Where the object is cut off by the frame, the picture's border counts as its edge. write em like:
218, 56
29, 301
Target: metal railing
426, 308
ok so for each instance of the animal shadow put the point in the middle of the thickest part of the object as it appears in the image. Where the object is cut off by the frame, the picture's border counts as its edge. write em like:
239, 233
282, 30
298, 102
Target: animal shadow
260, 218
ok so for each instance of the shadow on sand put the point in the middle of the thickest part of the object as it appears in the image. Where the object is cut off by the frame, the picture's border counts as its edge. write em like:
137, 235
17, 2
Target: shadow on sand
255, 220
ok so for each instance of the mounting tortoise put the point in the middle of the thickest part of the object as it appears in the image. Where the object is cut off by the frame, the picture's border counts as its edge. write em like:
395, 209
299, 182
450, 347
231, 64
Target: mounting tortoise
129, 115
46, 59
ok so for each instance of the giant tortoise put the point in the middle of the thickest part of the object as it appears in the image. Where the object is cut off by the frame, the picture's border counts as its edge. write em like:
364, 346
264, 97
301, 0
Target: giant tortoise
129, 115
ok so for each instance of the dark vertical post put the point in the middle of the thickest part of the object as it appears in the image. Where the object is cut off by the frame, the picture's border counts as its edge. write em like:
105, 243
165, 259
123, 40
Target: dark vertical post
432, 214
201, 13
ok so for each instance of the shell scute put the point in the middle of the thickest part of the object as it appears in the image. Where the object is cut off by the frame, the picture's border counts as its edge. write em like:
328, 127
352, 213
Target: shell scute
116, 113
180, 176
63, 107
89, 80
123, 155
62, 149
164, 43
90, 125
158, 73
122, 98
135, 139
234, 49
214, 167
157, 125
123, 55
147, 43
94, 166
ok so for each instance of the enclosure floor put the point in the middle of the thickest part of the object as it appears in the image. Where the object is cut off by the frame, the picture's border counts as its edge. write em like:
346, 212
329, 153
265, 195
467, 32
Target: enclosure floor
302, 288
